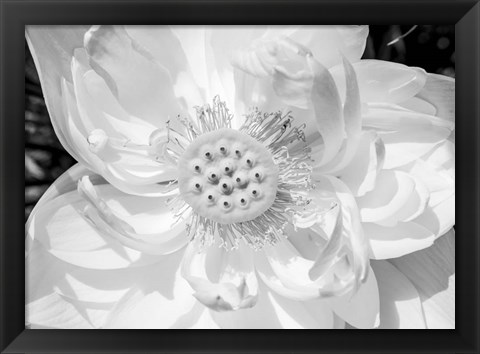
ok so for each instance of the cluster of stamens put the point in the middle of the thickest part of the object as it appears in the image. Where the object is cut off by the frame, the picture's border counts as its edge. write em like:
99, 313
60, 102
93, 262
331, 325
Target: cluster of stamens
240, 184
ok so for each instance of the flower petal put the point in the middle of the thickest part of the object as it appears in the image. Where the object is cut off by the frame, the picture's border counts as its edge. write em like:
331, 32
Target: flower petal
361, 309
123, 167
352, 109
54, 311
143, 87
353, 231
432, 271
383, 81
436, 170
52, 48
439, 218
400, 306
392, 192
407, 135
167, 49
328, 110
329, 43
391, 242
439, 91
276, 312
230, 285
46, 273
161, 298
82, 244
361, 173
131, 225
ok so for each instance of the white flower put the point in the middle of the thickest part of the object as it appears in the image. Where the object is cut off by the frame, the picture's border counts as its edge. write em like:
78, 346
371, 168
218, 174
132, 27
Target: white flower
329, 150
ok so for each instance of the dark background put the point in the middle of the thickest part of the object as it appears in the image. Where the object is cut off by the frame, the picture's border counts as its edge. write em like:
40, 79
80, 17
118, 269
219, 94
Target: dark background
428, 46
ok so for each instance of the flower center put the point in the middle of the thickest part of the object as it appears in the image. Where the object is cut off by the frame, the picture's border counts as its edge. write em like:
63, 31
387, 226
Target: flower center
227, 176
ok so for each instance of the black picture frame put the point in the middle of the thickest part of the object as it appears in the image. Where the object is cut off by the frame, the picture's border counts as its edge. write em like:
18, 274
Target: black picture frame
15, 14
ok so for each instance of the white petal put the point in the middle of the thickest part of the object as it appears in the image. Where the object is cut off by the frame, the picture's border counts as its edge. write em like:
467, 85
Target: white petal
361, 173
352, 110
432, 271
63, 231
439, 91
407, 135
52, 48
46, 273
352, 228
400, 306
436, 170
120, 167
328, 110
143, 87
439, 218
275, 312
392, 191
391, 242
222, 43
193, 40
383, 81
419, 105
273, 281
230, 285
54, 311
99, 108
168, 51
361, 309
159, 299
329, 43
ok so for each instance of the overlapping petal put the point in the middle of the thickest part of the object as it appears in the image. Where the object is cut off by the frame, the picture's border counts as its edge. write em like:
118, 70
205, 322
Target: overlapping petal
222, 280
432, 271
61, 226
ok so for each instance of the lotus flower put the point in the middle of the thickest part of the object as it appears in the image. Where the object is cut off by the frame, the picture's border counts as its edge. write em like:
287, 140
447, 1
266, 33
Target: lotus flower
241, 177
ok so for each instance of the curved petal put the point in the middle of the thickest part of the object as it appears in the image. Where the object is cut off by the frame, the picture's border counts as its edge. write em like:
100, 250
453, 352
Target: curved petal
159, 299
352, 109
439, 91
432, 271
352, 230
222, 43
230, 284
47, 274
328, 110
84, 245
361, 173
142, 86
391, 242
54, 311
329, 43
436, 170
275, 312
407, 135
361, 309
130, 224
392, 193
383, 81
166, 46
439, 218
52, 48
67, 182
400, 306
121, 158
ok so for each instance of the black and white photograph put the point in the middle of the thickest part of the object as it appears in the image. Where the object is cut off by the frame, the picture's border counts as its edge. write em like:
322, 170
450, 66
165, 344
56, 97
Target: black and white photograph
240, 177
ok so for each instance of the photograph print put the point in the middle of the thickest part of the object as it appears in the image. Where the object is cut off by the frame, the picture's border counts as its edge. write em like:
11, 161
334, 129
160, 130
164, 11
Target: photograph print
240, 177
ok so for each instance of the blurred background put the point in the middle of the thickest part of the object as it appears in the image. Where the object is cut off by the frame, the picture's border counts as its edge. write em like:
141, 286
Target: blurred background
428, 46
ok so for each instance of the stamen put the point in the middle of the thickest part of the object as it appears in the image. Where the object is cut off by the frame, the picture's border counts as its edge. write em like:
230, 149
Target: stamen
240, 185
